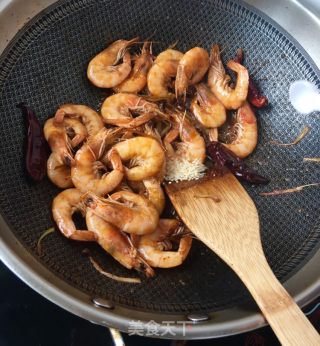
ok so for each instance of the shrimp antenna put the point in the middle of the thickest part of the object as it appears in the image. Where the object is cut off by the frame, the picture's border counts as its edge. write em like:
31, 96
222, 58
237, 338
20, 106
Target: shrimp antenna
142, 42
224, 48
173, 45
150, 50
149, 37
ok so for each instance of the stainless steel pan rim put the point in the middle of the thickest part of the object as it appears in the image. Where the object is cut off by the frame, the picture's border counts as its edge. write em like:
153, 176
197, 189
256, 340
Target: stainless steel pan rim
222, 323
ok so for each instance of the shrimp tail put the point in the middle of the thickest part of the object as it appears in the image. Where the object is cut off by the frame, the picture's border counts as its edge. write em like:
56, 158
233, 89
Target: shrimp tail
181, 85
115, 160
59, 116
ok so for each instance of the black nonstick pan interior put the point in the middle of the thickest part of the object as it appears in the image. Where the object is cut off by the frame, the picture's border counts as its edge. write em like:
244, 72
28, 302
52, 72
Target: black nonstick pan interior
45, 66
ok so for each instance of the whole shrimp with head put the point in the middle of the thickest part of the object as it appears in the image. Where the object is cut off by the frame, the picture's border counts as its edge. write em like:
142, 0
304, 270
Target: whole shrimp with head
105, 71
116, 243
118, 110
137, 79
162, 72
145, 156
154, 247
64, 205
89, 118
58, 171
59, 142
219, 81
187, 161
126, 210
244, 132
191, 69
207, 109
89, 172
76, 131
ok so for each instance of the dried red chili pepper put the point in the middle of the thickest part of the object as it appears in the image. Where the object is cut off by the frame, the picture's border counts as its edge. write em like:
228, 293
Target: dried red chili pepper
223, 157
255, 96
36, 149
239, 56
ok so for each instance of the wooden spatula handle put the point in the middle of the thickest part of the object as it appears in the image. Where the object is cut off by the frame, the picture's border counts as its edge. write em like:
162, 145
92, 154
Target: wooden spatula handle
230, 228
284, 316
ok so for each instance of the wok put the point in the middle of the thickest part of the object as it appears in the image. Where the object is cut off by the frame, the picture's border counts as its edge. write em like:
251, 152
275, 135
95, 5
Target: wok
45, 65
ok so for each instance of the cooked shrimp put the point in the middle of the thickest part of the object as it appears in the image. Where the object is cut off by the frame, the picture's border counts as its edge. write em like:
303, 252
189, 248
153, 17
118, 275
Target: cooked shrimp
116, 243
126, 210
64, 205
86, 173
191, 69
168, 54
117, 110
58, 140
218, 81
90, 118
76, 131
104, 70
207, 109
159, 78
152, 246
161, 73
192, 145
246, 132
58, 172
145, 154
137, 79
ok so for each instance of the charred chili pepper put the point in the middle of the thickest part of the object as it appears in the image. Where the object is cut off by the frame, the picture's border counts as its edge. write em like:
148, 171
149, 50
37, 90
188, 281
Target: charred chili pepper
36, 149
223, 157
255, 96
239, 56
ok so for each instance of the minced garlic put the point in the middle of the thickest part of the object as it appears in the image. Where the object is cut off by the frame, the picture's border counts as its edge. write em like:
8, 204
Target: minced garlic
181, 169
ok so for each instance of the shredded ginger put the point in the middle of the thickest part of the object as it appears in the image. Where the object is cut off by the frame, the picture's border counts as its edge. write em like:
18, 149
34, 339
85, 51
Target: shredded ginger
182, 169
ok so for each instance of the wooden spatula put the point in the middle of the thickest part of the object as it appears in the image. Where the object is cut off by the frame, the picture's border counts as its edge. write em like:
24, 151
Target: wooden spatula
222, 215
